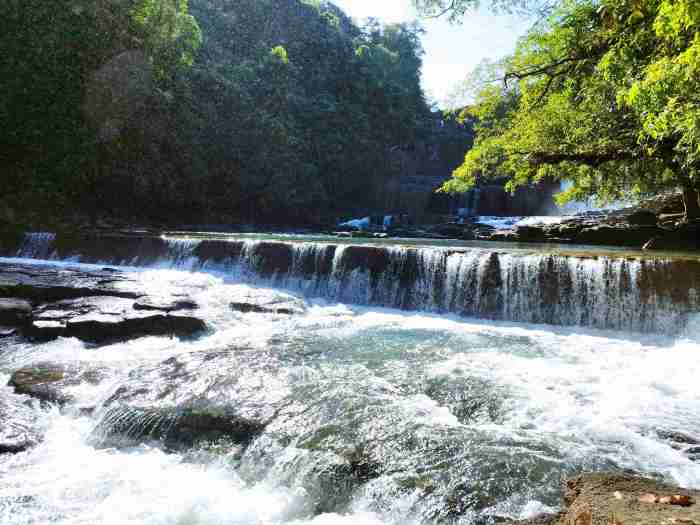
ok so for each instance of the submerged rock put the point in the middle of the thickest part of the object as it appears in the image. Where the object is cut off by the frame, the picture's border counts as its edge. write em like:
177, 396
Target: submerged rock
19, 425
267, 302
190, 399
175, 427
48, 382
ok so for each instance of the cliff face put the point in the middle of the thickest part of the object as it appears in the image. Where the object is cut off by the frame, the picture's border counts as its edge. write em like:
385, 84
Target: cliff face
420, 169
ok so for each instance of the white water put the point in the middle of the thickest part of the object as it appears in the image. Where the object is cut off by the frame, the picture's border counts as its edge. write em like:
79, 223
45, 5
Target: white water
492, 413
618, 292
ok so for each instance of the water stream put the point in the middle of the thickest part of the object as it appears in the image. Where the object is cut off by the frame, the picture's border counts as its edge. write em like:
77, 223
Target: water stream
422, 385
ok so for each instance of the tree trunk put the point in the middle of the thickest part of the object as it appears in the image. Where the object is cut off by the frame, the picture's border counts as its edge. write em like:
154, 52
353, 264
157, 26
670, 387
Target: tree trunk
691, 201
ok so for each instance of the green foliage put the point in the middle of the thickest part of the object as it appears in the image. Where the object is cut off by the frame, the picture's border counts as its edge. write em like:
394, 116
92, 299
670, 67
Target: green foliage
168, 33
604, 94
277, 110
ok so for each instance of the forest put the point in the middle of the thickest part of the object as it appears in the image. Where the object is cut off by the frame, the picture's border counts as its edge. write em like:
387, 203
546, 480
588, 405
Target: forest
267, 111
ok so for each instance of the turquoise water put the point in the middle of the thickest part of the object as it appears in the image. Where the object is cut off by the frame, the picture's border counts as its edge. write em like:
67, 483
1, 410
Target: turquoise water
373, 416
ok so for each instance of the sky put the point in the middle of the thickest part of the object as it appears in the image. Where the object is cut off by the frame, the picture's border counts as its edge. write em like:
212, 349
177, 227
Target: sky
451, 51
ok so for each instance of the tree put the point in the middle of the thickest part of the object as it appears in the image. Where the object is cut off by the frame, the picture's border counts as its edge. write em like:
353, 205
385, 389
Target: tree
603, 94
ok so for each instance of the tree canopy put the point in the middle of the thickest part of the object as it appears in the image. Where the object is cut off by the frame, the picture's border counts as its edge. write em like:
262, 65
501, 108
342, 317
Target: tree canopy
230, 110
603, 94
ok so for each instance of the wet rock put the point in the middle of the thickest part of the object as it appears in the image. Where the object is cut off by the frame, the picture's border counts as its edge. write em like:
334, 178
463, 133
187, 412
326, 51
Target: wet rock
106, 331
684, 237
19, 425
272, 258
624, 497
472, 400
267, 302
366, 258
15, 312
164, 304
678, 437
38, 285
49, 382
218, 251
530, 233
632, 236
195, 397
175, 427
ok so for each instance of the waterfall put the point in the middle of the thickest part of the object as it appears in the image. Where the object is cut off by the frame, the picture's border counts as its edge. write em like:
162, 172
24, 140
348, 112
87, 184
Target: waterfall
645, 295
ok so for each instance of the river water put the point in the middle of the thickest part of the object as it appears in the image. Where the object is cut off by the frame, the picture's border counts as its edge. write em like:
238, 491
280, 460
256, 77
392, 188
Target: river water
374, 415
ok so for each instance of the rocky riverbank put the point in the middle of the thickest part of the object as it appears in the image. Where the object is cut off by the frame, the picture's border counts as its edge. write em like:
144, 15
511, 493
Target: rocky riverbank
198, 396
654, 224
622, 499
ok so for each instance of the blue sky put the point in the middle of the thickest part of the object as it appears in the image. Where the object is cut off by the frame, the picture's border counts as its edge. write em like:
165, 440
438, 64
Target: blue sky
451, 51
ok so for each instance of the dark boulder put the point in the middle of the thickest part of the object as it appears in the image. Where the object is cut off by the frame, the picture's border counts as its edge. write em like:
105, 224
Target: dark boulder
643, 218
686, 236
19, 425
219, 251
175, 427
164, 304
614, 235
101, 332
15, 312
369, 258
272, 258
530, 233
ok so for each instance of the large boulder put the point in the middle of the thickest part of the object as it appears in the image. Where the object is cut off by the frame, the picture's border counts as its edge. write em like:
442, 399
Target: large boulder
594, 498
15, 312
100, 331
19, 424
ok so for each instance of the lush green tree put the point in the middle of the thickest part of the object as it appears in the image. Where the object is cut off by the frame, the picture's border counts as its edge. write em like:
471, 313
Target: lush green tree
604, 94
50, 137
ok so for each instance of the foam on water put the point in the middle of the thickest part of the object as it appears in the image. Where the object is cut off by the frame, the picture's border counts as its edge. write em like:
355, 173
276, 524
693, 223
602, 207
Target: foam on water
439, 401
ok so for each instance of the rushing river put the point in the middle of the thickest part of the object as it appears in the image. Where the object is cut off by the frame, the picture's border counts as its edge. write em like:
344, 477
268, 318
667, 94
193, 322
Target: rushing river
374, 415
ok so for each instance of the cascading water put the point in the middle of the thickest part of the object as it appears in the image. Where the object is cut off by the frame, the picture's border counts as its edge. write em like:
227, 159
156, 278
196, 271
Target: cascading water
645, 295
402, 393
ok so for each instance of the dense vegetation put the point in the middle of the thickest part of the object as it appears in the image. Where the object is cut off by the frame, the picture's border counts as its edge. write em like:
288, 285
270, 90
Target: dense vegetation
602, 93
258, 110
